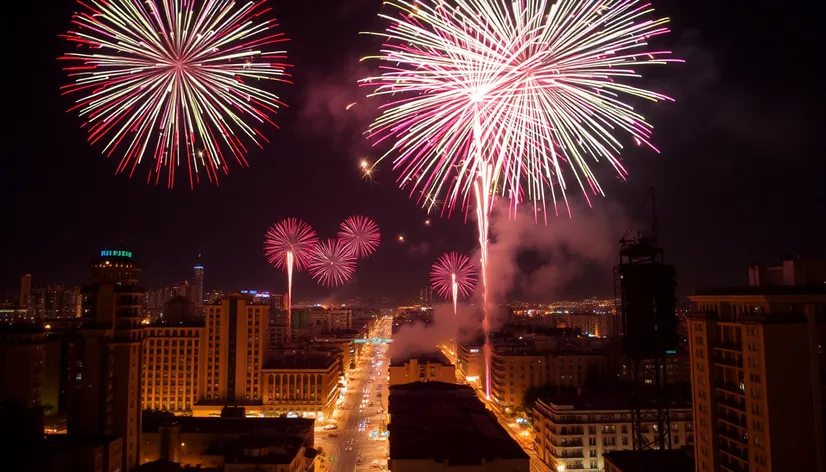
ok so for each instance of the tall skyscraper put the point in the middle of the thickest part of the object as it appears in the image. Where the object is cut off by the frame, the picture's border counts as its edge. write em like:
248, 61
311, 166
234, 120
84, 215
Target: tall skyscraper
198, 289
759, 375
235, 346
105, 358
25, 291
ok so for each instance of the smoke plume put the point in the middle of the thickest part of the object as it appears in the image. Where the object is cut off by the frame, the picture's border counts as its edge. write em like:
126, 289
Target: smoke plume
558, 252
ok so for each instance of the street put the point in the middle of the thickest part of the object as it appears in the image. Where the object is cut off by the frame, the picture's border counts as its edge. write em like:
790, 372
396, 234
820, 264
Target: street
358, 443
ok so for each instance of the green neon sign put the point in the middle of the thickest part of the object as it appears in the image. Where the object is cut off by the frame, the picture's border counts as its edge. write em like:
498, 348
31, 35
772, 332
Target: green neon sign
110, 253
372, 341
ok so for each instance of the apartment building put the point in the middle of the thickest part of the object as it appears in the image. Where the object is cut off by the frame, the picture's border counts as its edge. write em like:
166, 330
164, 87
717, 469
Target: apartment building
573, 431
302, 384
758, 375
172, 364
424, 367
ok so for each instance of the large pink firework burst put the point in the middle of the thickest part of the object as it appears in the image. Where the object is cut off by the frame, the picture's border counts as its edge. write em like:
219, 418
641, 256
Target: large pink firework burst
511, 98
332, 263
175, 82
360, 235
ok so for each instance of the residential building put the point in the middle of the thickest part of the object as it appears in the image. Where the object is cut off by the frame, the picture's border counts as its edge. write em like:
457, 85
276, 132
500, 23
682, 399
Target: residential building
471, 362
104, 390
229, 442
55, 301
651, 460
173, 364
421, 367
758, 374
234, 348
575, 430
304, 384
22, 357
514, 370
437, 426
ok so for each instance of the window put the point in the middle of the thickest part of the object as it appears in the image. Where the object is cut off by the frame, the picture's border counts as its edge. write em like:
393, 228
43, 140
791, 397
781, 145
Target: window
698, 340
754, 377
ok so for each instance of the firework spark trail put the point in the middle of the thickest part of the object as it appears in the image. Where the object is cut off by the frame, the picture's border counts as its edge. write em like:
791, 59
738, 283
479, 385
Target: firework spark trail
332, 263
173, 80
506, 98
360, 234
289, 245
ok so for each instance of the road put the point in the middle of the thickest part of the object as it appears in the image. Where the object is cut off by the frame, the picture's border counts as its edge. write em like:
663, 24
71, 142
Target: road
361, 414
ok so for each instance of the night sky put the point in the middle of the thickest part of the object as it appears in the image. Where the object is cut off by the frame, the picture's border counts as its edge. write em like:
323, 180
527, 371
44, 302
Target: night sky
740, 178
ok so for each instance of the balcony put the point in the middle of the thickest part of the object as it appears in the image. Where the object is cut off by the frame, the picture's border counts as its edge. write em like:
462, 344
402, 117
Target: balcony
566, 442
568, 455
728, 362
733, 419
742, 455
729, 346
731, 388
738, 404
733, 435
571, 432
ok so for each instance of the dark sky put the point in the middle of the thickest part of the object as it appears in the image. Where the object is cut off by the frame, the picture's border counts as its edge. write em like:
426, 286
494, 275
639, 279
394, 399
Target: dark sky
740, 178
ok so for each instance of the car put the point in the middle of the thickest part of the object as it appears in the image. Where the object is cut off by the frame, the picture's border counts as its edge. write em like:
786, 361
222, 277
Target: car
331, 426
332, 435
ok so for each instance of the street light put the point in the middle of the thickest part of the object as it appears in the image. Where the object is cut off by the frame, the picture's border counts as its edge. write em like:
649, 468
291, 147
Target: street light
560, 468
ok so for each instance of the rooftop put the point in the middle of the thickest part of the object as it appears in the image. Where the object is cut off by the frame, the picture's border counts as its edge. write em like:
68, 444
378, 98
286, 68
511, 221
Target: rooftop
445, 422
675, 460
431, 357
152, 421
768, 290
315, 361
602, 400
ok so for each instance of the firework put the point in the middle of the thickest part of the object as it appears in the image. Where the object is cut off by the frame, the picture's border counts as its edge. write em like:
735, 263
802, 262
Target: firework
496, 98
175, 80
332, 263
360, 235
452, 277
289, 245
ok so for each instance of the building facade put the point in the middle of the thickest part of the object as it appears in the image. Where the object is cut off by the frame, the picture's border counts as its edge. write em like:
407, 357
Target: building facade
22, 357
574, 431
198, 289
432, 367
305, 384
234, 348
104, 397
758, 374
512, 372
172, 367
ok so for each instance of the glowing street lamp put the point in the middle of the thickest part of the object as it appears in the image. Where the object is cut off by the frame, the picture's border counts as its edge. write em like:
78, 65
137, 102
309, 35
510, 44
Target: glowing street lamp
560, 468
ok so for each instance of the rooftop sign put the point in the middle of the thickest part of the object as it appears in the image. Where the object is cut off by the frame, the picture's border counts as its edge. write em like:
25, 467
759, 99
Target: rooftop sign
372, 341
110, 253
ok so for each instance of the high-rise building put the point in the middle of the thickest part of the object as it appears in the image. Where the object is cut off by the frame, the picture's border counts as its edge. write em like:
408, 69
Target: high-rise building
235, 347
758, 374
105, 358
22, 355
573, 431
198, 289
55, 301
172, 365
24, 301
